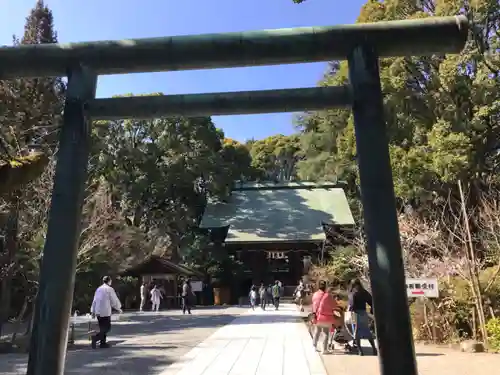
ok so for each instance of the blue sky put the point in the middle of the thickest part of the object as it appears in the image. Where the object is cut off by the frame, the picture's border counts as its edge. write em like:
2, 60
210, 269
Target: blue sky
85, 20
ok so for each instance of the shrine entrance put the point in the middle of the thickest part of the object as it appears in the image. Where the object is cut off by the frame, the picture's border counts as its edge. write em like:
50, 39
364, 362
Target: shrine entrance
361, 45
273, 228
263, 266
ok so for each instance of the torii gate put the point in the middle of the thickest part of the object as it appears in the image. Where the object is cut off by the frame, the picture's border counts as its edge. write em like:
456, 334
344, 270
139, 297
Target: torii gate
361, 44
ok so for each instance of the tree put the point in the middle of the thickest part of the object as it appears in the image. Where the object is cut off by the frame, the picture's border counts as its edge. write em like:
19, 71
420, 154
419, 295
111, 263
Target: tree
276, 157
237, 154
162, 171
442, 112
32, 108
30, 116
442, 115
106, 241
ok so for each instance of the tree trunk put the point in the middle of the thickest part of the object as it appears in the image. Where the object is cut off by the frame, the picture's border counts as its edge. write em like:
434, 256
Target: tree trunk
11, 243
472, 266
19, 320
29, 328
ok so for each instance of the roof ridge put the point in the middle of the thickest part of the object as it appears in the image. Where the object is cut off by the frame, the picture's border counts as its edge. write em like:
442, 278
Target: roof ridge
294, 185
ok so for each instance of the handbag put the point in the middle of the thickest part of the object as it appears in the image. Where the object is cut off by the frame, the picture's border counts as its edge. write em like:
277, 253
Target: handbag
348, 317
314, 318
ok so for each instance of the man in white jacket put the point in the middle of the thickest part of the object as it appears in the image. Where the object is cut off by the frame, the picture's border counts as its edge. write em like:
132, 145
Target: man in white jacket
105, 301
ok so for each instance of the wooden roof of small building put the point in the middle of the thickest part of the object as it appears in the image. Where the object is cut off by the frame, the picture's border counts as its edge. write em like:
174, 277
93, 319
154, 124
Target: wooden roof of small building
157, 265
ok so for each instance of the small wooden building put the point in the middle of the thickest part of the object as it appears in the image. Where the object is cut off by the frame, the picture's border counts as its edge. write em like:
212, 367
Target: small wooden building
165, 274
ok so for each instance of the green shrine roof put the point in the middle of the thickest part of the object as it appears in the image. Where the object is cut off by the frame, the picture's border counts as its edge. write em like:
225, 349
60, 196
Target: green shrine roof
279, 212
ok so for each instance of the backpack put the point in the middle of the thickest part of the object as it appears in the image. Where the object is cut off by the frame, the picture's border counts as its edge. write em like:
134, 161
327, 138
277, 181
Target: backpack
276, 291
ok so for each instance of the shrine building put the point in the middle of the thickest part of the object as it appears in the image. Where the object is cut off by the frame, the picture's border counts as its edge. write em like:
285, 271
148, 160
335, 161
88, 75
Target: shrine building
277, 229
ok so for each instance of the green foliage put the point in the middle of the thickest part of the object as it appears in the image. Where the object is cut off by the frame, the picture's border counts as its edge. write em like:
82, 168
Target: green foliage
441, 112
453, 313
162, 171
30, 111
442, 119
211, 260
31, 108
493, 329
276, 157
238, 161
340, 269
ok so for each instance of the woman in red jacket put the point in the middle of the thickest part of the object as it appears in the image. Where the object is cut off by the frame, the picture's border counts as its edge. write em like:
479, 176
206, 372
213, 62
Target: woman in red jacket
323, 304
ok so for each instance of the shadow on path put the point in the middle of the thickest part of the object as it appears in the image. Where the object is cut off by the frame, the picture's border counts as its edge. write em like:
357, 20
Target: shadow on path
140, 344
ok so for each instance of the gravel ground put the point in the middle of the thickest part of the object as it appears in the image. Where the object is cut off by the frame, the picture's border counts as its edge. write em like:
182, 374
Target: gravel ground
142, 343
431, 360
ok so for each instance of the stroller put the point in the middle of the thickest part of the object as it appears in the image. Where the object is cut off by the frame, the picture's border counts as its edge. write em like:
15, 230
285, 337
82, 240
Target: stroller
342, 335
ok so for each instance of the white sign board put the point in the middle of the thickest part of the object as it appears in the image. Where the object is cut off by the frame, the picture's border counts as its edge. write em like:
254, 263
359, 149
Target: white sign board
422, 287
196, 286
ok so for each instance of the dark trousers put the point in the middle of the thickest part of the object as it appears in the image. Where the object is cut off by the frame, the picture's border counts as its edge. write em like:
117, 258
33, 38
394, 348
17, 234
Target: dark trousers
185, 305
104, 327
263, 303
276, 301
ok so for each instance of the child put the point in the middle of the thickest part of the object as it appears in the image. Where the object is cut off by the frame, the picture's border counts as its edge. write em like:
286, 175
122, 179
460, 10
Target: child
253, 297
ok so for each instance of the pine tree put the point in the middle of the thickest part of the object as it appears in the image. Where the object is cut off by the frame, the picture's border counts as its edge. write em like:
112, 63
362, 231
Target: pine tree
29, 119
34, 106
31, 111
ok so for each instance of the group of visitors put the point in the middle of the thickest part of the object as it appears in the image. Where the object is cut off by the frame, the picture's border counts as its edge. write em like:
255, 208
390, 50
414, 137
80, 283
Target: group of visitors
105, 301
266, 295
156, 296
328, 315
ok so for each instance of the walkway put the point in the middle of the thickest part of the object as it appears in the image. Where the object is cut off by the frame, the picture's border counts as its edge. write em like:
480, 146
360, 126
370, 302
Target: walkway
142, 343
233, 341
169, 343
256, 343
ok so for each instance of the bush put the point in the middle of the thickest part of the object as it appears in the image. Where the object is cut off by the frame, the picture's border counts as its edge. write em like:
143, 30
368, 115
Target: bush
453, 316
492, 295
449, 318
339, 269
493, 329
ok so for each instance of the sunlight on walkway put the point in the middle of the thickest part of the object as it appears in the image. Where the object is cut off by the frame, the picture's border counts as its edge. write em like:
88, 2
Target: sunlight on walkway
256, 343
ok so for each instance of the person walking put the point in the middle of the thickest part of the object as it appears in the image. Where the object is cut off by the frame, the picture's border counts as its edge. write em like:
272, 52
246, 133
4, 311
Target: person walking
187, 294
300, 294
105, 301
359, 298
323, 305
253, 296
263, 296
156, 298
276, 292
143, 294
269, 295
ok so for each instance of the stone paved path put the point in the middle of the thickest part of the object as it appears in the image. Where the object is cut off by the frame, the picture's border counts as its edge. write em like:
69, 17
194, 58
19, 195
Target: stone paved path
256, 343
235, 341
143, 343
